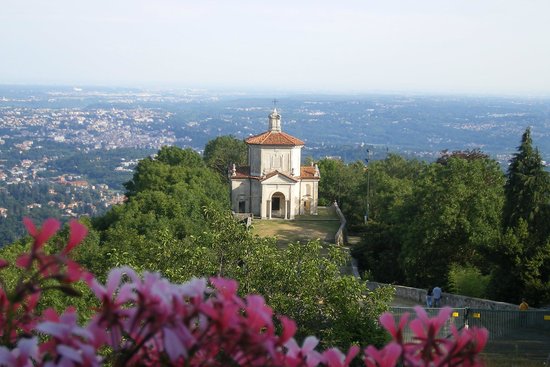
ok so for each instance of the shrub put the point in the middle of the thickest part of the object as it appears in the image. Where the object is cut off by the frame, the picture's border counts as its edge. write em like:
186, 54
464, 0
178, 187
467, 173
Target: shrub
468, 281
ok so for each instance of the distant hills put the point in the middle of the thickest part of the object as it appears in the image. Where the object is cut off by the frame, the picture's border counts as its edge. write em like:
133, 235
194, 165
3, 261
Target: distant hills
345, 126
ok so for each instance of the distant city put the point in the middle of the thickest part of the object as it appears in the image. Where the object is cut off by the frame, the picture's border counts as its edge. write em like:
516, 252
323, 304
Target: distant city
78, 145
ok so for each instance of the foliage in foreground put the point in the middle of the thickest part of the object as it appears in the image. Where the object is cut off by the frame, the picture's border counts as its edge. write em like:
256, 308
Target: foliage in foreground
150, 321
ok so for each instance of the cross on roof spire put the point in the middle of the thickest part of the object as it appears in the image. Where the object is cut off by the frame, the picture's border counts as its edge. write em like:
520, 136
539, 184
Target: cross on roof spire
274, 103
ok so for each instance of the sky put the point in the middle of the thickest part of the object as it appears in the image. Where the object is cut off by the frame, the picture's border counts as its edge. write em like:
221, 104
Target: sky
334, 46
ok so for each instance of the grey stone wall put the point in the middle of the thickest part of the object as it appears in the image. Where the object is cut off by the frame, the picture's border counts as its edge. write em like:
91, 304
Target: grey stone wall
447, 299
340, 237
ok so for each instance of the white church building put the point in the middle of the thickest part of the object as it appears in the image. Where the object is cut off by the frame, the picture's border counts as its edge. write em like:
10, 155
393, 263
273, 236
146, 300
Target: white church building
274, 184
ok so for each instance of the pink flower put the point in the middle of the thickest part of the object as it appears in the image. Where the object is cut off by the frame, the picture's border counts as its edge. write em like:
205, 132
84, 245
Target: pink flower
258, 314
173, 346
112, 315
23, 355
225, 287
49, 228
70, 343
388, 322
75, 272
78, 232
387, 357
426, 331
289, 329
424, 327
306, 352
334, 358
108, 293
24, 261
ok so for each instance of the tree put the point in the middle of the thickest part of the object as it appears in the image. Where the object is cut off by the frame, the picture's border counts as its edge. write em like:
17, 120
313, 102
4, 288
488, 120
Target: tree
522, 258
222, 152
469, 154
172, 165
342, 183
426, 217
527, 190
391, 184
333, 184
378, 253
453, 216
300, 280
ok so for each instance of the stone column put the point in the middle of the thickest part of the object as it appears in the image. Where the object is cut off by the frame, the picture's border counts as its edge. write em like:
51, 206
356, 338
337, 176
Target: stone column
268, 209
290, 211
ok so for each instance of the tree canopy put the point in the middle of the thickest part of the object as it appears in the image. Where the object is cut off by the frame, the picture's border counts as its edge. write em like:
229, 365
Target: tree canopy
427, 217
522, 258
224, 151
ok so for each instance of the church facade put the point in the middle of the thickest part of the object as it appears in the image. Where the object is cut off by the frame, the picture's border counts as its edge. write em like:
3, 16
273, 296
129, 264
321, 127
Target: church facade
274, 184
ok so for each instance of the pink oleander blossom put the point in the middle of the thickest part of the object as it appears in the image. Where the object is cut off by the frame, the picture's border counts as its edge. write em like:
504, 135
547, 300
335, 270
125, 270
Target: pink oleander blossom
78, 232
49, 228
23, 355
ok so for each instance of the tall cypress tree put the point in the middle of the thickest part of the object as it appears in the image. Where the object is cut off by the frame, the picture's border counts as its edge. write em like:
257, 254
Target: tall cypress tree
527, 190
523, 256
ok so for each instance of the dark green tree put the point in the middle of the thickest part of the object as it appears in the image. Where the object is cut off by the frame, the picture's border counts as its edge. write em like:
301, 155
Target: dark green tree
391, 185
522, 258
453, 216
527, 190
342, 183
332, 187
222, 152
174, 156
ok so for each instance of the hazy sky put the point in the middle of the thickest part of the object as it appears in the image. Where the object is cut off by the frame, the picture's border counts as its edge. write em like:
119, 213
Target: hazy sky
475, 46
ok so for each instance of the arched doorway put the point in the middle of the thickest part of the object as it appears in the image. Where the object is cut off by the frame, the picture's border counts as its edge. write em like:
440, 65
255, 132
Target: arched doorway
278, 205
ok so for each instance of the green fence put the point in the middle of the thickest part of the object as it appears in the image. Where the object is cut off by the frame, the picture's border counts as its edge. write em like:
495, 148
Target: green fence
458, 319
499, 323
503, 323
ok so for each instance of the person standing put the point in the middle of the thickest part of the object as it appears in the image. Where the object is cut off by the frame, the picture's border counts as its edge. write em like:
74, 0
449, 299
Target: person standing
429, 297
523, 306
436, 293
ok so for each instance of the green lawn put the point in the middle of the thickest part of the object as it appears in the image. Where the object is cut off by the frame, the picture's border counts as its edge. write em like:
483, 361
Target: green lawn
304, 228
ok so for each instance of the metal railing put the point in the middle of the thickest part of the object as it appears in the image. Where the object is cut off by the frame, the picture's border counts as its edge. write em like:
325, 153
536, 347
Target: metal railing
503, 322
499, 323
458, 319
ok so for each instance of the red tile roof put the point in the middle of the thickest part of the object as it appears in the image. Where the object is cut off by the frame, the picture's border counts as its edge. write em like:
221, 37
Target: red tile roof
307, 172
274, 138
242, 172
